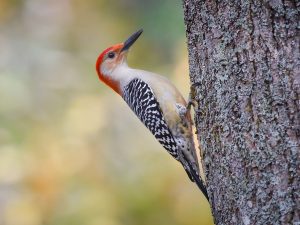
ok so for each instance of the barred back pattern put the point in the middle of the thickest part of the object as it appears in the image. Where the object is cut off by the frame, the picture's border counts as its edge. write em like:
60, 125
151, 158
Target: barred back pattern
141, 99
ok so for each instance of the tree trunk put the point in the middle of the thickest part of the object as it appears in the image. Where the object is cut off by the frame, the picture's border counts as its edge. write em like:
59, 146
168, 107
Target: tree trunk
244, 63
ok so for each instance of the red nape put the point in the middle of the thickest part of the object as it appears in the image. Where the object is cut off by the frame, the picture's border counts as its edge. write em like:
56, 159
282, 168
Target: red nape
111, 83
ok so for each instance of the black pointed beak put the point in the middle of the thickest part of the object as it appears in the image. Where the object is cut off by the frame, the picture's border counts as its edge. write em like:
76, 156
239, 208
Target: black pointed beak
131, 40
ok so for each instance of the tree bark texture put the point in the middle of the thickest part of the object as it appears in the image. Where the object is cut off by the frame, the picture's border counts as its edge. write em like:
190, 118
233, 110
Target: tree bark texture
244, 62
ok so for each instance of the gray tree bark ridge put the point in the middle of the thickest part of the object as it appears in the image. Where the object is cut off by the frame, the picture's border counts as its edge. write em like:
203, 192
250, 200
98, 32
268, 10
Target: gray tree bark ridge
244, 61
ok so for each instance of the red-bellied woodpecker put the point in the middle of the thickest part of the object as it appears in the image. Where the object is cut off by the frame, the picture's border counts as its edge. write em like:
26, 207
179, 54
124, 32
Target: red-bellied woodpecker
156, 102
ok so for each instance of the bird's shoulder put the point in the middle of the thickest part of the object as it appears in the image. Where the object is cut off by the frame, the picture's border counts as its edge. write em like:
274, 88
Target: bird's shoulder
140, 98
164, 91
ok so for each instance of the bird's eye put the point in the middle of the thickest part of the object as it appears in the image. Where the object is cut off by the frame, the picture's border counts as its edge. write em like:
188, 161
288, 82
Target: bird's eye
111, 55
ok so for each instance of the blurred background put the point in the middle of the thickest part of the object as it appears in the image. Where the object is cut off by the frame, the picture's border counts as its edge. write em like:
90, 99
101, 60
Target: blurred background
71, 151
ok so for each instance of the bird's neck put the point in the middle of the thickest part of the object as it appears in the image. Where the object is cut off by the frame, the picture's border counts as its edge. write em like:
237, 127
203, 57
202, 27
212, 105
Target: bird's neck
117, 78
122, 74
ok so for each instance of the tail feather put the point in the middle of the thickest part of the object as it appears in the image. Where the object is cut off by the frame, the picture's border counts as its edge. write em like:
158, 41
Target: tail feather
200, 184
195, 177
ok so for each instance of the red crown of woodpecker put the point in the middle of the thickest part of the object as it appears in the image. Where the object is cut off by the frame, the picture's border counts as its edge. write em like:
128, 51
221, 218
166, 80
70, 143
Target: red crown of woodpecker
113, 56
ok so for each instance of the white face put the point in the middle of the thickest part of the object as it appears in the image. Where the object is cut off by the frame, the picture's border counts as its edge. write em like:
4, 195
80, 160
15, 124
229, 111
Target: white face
112, 60
110, 66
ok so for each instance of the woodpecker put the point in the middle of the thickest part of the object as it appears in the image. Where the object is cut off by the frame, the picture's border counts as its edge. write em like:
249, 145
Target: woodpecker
156, 102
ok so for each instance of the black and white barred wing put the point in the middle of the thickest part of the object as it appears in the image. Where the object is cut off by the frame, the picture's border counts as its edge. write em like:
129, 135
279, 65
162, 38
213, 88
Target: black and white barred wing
141, 99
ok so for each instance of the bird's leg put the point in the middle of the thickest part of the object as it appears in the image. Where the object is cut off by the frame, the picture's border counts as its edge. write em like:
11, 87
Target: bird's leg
192, 100
181, 109
192, 97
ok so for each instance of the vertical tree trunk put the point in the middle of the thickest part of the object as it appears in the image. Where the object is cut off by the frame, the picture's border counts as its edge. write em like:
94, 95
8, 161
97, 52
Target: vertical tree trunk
244, 60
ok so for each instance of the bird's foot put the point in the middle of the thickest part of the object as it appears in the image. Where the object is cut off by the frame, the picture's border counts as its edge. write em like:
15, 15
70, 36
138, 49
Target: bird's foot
192, 97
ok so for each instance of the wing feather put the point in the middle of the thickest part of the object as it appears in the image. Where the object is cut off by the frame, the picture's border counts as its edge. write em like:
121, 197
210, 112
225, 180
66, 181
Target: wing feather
142, 101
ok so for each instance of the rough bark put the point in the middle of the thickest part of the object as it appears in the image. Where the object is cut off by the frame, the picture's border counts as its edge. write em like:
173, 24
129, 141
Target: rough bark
244, 60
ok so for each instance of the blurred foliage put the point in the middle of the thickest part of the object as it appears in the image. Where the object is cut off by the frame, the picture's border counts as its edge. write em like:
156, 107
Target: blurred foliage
71, 151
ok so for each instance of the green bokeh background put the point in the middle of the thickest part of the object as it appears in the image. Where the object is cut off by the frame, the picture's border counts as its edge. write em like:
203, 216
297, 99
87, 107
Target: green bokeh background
71, 151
